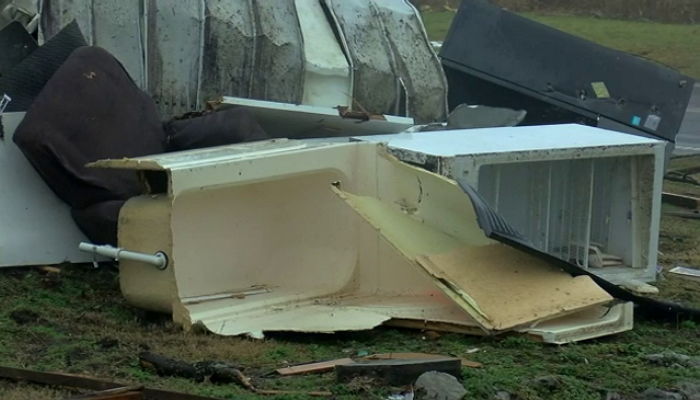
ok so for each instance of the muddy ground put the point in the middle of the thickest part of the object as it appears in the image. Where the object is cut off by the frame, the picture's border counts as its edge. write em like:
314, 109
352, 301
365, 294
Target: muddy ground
75, 320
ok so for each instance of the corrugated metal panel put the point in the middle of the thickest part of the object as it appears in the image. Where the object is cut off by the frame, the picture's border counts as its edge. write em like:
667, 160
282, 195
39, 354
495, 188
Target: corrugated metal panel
280, 58
375, 84
417, 65
174, 56
117, 26
187, 52
229, 49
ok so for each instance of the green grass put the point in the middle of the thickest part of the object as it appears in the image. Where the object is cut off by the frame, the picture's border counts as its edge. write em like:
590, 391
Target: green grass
81, 307
677, 46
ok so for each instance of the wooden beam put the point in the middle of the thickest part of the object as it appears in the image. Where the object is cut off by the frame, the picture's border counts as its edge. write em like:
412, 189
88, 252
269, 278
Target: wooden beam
88, 383
398, 372
324, 366
681, 200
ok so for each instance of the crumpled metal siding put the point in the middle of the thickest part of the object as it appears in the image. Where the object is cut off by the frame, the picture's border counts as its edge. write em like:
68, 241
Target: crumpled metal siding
187, 52
375, 84
418, 67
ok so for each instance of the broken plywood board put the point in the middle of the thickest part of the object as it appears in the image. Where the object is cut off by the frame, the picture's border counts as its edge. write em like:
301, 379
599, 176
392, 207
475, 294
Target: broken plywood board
420, 356
439, 232
323, 366
509, 287
397, 372
681, 200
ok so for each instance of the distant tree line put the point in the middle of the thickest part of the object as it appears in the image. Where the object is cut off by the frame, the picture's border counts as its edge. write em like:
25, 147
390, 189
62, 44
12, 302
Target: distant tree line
672, 11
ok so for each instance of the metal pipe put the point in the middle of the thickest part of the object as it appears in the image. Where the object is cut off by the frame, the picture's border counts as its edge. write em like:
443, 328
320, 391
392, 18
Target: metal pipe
158, 260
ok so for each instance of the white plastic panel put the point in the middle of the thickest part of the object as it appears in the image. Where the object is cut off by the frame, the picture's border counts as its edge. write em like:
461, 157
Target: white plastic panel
589, 324
37, 228
456, 143
327, 74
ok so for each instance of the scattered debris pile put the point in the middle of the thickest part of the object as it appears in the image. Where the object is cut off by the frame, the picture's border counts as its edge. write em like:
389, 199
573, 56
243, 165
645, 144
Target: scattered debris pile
224, 222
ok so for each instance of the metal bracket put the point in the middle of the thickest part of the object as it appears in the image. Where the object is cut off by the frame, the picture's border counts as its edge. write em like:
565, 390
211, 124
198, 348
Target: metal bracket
158, 260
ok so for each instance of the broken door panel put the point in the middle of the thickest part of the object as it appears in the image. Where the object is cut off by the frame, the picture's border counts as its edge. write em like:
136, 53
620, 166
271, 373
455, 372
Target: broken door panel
117, 26
419, 67
175, 35
279, 65
229, 49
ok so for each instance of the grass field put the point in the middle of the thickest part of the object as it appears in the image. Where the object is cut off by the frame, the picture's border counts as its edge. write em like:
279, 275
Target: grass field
80, 324
677, 46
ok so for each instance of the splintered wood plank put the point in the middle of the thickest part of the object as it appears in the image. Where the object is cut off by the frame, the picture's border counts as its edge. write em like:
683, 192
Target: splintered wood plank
398, 372
420, 356
323, 366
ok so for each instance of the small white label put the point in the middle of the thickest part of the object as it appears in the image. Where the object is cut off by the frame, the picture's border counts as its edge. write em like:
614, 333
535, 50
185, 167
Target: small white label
652, 122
